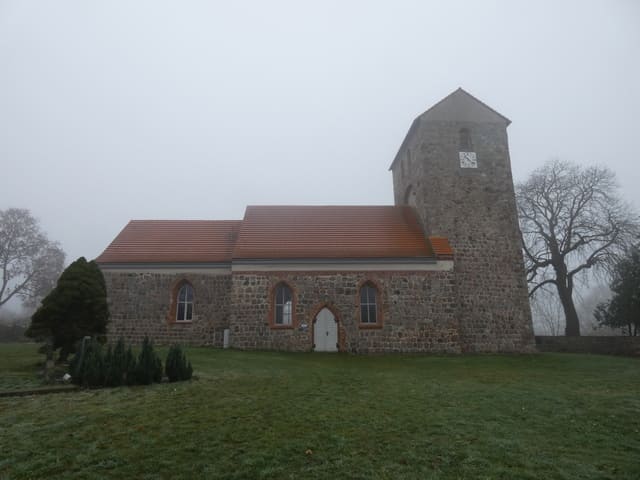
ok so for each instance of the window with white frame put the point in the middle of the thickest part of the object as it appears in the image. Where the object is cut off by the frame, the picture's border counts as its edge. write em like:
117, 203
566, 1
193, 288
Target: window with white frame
368, 304
283, 305
184, 305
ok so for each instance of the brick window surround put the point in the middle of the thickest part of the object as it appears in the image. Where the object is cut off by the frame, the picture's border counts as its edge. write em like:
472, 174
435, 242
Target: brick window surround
378, 300
272, 306
173, 309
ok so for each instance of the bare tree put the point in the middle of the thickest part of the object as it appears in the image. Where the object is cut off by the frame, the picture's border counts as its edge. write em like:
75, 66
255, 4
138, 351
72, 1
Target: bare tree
30, 264
547, 313
572, 222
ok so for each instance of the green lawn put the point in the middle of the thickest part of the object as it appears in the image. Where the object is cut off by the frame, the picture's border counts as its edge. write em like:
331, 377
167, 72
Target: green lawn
279, 415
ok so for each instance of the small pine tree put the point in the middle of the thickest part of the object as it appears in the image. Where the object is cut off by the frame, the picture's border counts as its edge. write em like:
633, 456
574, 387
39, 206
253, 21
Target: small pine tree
130, 367
94, 367
108, 364
149, 367
88, 367
116, 361
176, 367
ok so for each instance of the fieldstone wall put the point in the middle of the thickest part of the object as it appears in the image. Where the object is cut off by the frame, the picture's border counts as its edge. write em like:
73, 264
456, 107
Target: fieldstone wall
417, 308
140, 305
476, 209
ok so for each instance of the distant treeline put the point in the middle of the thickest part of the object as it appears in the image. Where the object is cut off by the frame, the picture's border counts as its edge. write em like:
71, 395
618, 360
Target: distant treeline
13, 333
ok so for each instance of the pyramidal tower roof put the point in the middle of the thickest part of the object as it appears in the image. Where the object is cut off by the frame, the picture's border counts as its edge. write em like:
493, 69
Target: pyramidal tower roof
458, 106
461, 106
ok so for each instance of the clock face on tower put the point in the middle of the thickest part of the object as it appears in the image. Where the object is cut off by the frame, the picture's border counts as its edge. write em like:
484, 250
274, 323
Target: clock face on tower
468, 160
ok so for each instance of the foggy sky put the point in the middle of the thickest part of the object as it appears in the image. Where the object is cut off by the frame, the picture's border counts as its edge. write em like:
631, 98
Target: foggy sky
116, 110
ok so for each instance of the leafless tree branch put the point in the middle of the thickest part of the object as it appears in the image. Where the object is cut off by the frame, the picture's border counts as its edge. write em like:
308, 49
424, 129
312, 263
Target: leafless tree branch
30, 263
572, 221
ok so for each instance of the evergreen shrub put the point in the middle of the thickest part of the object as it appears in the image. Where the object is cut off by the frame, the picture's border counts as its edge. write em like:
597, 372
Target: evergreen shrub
177, 367
88, 368
119, 365
75, 308
129, 367
93, 367
149, 366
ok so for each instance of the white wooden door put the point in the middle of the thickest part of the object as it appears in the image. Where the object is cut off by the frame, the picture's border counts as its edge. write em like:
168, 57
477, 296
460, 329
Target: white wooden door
325, 332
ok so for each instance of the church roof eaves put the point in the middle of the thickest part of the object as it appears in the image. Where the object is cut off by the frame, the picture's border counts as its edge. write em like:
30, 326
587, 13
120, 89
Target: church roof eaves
322, 261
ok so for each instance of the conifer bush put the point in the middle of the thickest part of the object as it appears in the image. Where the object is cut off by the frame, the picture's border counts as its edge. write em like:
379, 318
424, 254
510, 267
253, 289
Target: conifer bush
119, 368
93, 367
177, 367
129, 367
149, 365
109, 380
88, 367
75, 308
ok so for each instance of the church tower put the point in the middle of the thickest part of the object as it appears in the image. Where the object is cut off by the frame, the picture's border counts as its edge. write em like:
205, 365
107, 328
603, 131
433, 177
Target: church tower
454, 168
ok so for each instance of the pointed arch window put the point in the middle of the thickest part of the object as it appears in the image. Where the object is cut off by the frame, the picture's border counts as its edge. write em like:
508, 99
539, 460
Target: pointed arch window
368, 304
184, 303
410, 196
283, 305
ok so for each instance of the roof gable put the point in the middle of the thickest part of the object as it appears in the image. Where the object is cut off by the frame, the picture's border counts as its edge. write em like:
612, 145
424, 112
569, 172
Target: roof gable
461, 106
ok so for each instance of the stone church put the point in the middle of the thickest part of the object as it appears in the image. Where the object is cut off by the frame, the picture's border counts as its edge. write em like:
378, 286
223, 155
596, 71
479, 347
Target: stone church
439, 271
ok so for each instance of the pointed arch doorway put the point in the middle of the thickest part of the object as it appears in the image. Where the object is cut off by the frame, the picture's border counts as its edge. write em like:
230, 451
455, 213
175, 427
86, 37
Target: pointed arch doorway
325, 332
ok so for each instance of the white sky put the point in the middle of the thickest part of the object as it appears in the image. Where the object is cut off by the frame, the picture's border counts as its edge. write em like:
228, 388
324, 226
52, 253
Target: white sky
116, 110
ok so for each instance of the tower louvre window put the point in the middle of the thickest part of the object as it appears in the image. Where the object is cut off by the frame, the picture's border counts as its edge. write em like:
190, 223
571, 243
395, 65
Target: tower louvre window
410, 196
465, 140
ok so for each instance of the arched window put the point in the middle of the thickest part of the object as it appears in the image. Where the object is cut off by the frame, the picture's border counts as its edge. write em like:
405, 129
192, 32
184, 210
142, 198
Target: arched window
283, 303
184, 303
368, 304
465, 140
410, 196
403, 169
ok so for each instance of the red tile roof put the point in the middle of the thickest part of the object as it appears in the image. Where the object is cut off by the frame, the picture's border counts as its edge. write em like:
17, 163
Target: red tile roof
441, 247
279, 232
149, 241
330, 232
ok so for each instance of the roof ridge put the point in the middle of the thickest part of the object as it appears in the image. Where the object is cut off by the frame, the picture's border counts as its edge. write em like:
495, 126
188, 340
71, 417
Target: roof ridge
182, 220
323, 206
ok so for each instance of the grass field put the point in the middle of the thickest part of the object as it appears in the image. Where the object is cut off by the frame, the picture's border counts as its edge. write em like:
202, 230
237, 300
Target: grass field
279, 415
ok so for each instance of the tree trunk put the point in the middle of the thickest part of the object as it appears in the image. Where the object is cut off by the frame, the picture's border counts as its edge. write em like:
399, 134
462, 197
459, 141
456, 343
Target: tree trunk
572, 325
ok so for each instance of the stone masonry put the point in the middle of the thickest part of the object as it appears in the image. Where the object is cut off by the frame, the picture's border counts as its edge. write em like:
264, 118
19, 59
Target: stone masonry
475, 209
417, 309
140, 305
